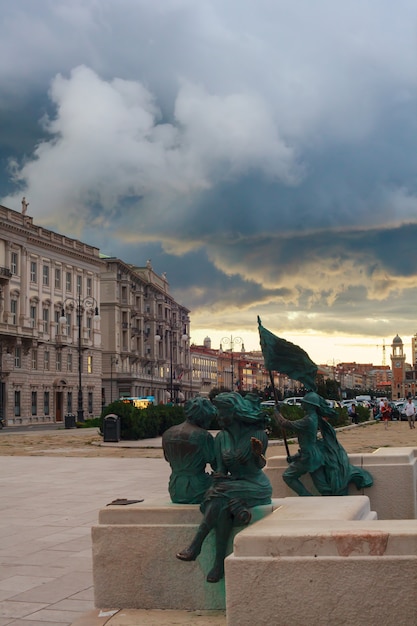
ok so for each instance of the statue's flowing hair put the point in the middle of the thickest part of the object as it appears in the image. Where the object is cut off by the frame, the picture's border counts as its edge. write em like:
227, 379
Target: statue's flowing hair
245, 409
199, 407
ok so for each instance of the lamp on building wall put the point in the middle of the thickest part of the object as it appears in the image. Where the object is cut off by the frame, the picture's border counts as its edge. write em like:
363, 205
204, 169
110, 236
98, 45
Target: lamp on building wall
232, 341
82, 304
113, 361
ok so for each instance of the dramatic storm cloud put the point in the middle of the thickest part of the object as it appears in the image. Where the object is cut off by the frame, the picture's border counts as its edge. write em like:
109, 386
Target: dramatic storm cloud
264, 154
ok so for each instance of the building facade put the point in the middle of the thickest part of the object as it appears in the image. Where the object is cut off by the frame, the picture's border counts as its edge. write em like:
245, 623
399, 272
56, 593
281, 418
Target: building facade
145, 332
44, 278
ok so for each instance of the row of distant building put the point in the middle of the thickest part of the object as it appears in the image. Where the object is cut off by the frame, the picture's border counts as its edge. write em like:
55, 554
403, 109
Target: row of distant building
398, 380
79, 330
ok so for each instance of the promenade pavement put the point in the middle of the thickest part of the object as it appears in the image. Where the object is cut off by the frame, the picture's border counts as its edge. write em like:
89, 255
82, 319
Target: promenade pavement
47, 508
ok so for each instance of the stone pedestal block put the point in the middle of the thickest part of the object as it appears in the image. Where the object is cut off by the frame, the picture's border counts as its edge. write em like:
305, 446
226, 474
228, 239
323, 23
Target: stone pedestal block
134, 563
323, 573
394, 470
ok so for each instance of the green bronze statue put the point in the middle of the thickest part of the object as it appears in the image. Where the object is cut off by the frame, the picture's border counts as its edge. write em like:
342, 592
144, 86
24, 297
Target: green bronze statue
188, 448
239, 482
323, 458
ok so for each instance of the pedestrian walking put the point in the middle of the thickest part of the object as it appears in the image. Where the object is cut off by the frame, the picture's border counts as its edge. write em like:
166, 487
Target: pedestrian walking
386, 413
410, 411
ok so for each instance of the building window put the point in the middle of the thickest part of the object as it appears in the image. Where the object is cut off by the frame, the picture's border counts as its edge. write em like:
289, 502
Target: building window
17, 403
89, 326
33, 272
58, 361
69, 402
45, 319
46, 402
69, 363
89, 364
68, 281
57, 278
45, 275
57, 317
90, 401
89, 287
33, 315
79, 284
18, 356
34, 359
13, 310
46, 360
34, 402
13, 262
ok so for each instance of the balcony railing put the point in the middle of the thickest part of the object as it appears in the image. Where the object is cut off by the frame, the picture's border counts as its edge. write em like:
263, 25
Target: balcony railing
5, 272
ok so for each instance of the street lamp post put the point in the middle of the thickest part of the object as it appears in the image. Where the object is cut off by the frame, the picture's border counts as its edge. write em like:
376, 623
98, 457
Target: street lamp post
82, 304
232, 340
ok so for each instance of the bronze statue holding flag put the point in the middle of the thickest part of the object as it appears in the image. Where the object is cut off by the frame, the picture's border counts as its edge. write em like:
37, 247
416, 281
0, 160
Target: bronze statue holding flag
324, 459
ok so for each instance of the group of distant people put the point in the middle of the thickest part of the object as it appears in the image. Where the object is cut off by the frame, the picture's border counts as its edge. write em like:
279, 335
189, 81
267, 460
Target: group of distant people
385, 412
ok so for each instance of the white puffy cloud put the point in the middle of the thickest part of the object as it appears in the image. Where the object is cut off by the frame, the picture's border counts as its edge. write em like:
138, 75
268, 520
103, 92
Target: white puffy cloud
108, 143
272, 142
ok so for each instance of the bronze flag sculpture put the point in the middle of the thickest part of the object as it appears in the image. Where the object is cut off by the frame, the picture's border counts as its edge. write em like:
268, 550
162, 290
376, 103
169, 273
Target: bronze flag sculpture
323, 458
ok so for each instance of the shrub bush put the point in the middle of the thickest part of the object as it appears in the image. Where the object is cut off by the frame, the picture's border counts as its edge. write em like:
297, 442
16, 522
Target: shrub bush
143, 423
89, 423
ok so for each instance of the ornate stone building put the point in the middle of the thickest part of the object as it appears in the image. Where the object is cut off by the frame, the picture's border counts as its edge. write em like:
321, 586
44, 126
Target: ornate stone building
43, 277
145, 334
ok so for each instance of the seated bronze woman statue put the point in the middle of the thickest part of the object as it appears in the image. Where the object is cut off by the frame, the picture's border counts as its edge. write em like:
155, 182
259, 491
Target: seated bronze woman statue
239, 482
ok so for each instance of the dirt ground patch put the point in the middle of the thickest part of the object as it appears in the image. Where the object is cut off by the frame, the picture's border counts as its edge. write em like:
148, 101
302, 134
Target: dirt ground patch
86, 442
80, 442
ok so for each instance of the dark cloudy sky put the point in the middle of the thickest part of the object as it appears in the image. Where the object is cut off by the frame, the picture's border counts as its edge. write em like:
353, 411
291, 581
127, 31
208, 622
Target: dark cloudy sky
263, 154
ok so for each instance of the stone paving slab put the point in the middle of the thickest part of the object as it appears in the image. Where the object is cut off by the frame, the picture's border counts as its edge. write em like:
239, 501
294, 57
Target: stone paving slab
47, 508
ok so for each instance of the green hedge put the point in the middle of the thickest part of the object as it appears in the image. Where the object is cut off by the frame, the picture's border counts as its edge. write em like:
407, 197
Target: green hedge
155, 420
143, 423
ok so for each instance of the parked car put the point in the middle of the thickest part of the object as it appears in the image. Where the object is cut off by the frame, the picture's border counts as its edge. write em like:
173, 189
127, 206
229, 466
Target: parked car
293, 401
348, 403
334, 404
267, 403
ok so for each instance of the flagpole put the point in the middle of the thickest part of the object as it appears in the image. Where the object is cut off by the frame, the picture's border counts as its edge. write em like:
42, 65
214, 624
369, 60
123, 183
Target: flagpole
271, 378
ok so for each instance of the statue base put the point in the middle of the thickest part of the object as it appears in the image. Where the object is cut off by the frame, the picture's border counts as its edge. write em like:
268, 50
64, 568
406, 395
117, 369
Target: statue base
134, 562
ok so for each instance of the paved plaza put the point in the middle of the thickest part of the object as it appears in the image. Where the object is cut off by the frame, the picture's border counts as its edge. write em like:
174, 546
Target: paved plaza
48, 506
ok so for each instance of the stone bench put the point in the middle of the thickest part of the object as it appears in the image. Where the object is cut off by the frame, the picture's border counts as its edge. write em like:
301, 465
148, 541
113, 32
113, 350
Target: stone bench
323, 572
134, 547
134, 563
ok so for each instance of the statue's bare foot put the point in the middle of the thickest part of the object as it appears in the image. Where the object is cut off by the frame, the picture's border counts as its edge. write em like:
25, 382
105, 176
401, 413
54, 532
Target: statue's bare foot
215, 574
187, 555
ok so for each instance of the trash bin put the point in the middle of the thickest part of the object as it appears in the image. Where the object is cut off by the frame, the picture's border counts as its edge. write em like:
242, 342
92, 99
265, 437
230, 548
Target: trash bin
111, 428
70, 421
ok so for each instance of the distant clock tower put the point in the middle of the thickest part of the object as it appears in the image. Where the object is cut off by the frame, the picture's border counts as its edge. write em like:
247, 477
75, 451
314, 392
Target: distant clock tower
398, 368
